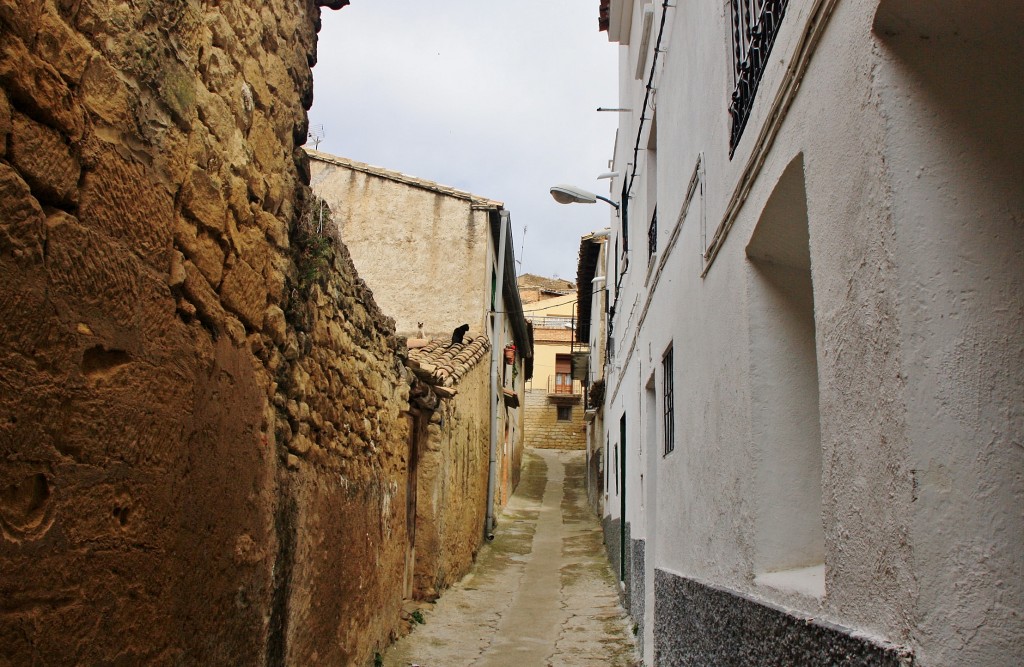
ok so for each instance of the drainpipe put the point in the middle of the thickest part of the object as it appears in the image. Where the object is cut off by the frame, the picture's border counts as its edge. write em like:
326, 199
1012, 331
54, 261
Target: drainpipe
496, 350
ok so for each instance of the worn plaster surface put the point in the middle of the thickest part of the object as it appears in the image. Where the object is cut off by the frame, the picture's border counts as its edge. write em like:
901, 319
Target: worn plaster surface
903, 133
420, 246
541, 594
203, 457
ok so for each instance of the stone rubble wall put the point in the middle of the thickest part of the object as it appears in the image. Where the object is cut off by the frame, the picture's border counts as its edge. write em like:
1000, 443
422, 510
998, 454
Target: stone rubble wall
545, 431
452, 469
202, 440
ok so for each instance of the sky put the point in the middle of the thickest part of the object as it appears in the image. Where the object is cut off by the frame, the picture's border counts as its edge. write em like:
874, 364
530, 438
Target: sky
496, 98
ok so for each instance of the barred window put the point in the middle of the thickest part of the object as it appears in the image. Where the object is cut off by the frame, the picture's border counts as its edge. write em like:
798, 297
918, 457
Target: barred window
669, 395
652, 236
754, 26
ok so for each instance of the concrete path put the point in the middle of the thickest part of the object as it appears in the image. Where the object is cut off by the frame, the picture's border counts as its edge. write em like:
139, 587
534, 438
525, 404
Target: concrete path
542, 594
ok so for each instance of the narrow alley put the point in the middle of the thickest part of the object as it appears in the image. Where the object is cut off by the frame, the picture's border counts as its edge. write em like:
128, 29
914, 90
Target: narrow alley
541, 593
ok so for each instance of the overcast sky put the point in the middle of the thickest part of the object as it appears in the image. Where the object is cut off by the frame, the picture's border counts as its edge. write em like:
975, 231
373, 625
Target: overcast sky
497, 98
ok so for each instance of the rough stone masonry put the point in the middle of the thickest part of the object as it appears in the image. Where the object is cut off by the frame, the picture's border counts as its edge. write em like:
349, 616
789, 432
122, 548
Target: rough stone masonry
202, 436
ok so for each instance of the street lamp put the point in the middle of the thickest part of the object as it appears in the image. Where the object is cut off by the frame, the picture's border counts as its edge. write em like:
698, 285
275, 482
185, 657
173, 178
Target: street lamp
570, 194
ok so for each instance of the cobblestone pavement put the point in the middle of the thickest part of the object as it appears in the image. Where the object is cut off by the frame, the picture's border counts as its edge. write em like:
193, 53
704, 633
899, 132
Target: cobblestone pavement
541, 594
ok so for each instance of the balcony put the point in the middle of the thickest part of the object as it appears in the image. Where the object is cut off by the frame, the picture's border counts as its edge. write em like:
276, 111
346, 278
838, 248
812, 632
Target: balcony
550, 322
561, 386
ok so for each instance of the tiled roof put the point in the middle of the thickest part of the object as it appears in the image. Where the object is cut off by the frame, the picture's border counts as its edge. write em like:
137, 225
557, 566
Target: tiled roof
602, 14
449, 363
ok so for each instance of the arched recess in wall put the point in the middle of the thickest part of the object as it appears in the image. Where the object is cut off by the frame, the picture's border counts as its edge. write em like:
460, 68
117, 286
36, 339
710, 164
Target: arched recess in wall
958, 68
784, 389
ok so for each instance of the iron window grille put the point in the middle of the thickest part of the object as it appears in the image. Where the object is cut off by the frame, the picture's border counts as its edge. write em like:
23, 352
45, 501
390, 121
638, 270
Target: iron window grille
669, 393
652, 236
609, 345
755, 23
624, 217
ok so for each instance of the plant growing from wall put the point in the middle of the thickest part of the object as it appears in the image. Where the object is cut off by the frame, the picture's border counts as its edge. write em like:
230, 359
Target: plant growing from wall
311, 247
312, 244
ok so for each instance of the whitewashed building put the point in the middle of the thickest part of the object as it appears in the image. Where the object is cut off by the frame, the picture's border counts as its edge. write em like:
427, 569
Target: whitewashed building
814, 405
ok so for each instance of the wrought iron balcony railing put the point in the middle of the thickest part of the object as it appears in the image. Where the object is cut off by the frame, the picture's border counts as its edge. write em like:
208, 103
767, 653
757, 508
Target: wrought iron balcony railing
561, 384
550, 321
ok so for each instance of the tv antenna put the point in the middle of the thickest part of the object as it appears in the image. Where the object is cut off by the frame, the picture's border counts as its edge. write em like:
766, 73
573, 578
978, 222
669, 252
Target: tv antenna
522, 248
317, 134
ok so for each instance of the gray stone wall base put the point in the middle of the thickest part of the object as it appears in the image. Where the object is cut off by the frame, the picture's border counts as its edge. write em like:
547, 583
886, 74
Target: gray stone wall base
637, 597
697, 624
627, 580
611, 543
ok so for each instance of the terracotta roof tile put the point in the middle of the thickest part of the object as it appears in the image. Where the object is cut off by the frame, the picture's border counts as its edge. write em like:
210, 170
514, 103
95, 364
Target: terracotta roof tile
451, 362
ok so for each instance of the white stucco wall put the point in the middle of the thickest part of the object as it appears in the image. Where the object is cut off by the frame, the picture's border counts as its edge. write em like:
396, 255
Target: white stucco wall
955, 156
910, 156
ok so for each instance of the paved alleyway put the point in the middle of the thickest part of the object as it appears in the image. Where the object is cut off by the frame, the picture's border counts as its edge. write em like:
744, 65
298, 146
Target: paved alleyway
541, 594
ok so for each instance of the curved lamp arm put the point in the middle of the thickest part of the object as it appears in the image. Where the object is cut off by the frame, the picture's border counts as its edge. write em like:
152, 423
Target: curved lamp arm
570, 194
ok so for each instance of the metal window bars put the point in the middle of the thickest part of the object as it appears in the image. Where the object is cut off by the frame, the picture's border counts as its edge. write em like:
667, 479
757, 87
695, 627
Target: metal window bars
669, 406
652, 236
755, 24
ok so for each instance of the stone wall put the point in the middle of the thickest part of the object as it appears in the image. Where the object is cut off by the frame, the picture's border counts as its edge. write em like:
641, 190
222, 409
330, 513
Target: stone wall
201, 434
543, 428
452, 488
438, 234
697, 623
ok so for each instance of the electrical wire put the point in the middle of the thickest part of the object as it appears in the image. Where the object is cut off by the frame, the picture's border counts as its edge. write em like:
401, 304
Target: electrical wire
647, 97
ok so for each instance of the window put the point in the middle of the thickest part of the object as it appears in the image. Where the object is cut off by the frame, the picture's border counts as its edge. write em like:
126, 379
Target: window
624, 213
563, 374
652, 236
754, 26
564, 413
669, 396
651, 178
617, 273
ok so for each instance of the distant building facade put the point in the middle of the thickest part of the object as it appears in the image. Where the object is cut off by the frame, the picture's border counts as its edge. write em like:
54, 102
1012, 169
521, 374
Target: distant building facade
554, 416
813, 414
